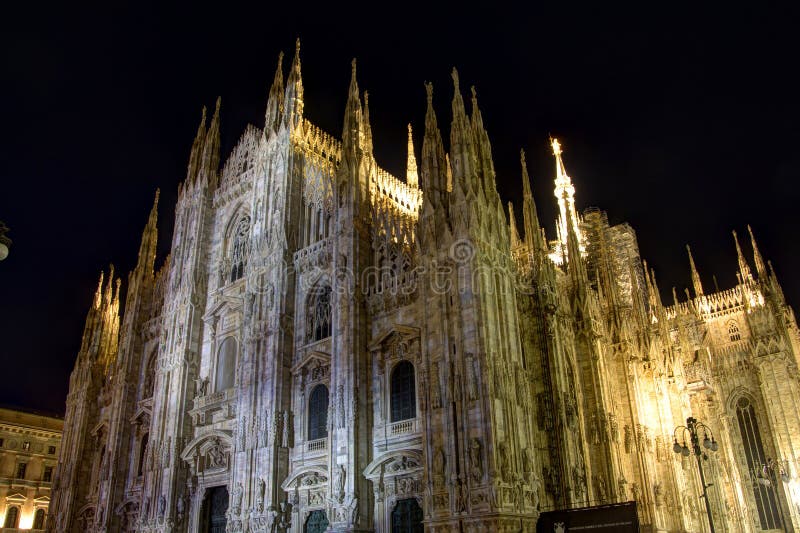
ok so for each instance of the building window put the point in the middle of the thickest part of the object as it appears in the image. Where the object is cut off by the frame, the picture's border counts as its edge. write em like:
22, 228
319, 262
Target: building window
21, 467
226, 364
733, 332
2, 441
318, 413
51, 450
38, 519
26, 446
240, 249
318, 314
756, 459
403, 395
149, 377
142, 452
12, 517
48, 474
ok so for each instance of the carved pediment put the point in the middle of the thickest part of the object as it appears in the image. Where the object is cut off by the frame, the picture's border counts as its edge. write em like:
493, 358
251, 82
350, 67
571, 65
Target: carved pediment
313, 359
222, 306
16, 498
397, 334
306, 477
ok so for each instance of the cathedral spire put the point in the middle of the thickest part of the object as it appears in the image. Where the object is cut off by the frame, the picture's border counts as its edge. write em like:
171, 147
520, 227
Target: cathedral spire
565, 194
461, 142
197, 149
484, 148
366, 126
761, 268
698, 286
576, 266
744, 268
530, 217
352, 132
434, 162
210, 162
515, 240
293, 99
147, 248
275, 100
412, 176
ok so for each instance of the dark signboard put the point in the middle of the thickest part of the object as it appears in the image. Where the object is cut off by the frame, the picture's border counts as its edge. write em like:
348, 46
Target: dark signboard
617, 518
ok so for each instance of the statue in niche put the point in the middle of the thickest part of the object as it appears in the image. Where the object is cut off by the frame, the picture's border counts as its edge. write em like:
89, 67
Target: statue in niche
622, 489
162, 506
472, 377
503, 463
436, 391
339, 483
287, 429
439, 462
215, 456
262, 489
475, 469
600, 488
658, 493
237, 498
460, 496
628, 440
201, 386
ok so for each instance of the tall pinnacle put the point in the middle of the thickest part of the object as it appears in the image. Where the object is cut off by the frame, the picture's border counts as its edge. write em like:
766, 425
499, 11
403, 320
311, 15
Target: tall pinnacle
197, 149
366, 126
698, 286
530, 217
565, 194
147, 248
761, 268
412, 176
275, 99
515, 240
461, 141
351, 134
744, 267
210, 162
293, 100
433, 163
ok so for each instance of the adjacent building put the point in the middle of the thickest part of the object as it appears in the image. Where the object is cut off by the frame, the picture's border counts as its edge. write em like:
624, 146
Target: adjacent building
331, 348
29, 447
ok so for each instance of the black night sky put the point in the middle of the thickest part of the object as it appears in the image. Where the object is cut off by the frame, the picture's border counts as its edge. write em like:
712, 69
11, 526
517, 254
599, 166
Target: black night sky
681, 122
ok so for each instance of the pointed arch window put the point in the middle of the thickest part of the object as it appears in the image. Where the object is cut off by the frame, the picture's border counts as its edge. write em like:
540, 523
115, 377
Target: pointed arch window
12, 517
403, 392
756, 459
149, 377
318, 314
226, 364
240, 248
733, 331
318, 413
142, 453
38, 519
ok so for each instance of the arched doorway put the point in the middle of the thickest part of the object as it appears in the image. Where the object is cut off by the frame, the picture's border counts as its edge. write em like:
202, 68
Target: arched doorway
214, 508
407, 517
316, 522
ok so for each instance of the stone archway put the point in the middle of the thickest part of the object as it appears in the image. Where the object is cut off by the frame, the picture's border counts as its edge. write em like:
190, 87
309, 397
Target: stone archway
215, 508
317, 522
407, 517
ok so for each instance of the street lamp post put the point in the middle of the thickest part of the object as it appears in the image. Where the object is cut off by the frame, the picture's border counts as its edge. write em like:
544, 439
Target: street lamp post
692, 426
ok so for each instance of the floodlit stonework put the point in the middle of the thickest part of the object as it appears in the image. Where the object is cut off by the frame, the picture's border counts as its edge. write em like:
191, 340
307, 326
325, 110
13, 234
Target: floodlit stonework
29, 447
329, 347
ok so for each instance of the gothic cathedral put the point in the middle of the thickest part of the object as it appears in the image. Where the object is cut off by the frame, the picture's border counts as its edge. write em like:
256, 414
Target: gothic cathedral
330, 348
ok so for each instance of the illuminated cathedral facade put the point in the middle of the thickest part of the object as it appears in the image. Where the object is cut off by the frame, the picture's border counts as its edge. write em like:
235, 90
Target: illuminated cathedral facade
331, 348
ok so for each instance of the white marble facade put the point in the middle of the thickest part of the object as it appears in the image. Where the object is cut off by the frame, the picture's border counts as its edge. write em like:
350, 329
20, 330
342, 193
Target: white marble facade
329, 346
